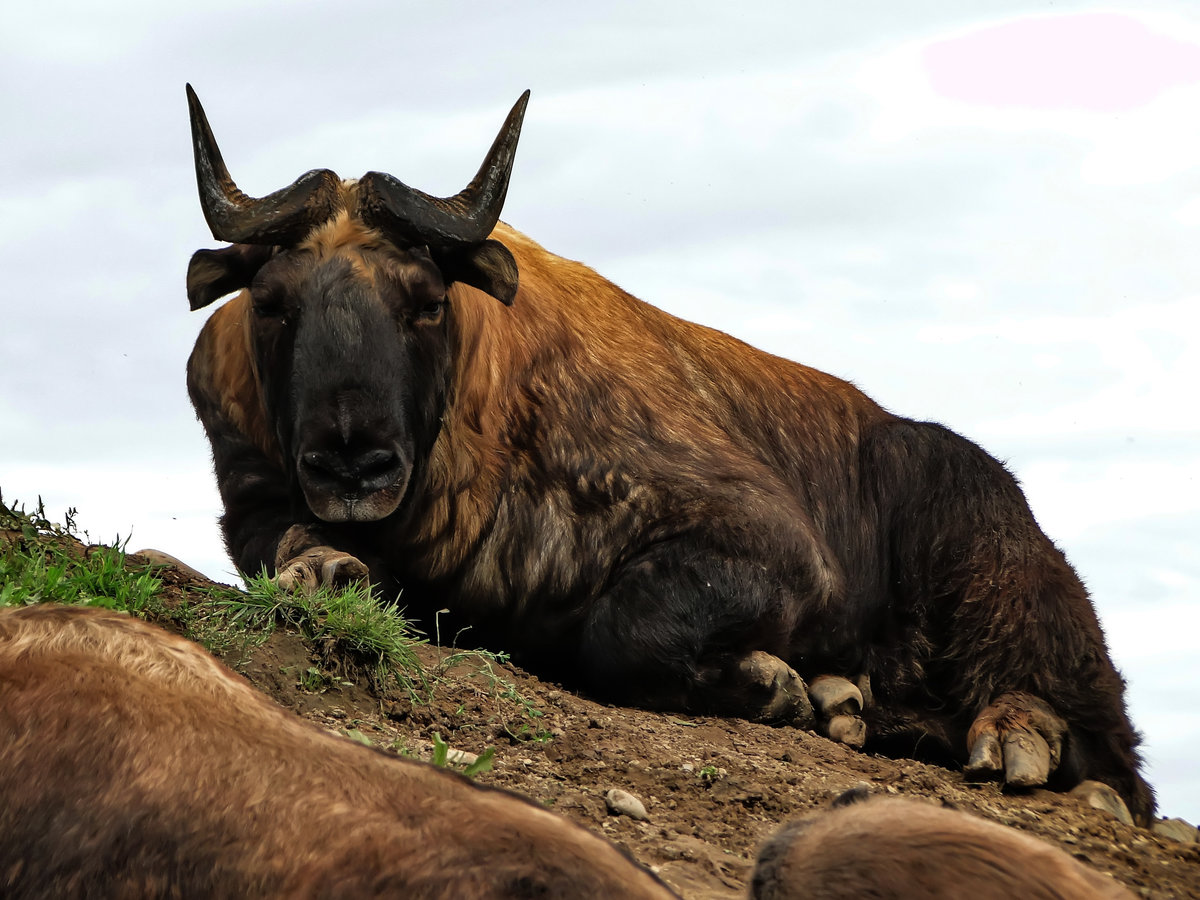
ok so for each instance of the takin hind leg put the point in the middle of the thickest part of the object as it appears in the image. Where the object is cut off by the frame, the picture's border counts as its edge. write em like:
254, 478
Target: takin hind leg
763, 687
708, 636
1018, 738
1012, 641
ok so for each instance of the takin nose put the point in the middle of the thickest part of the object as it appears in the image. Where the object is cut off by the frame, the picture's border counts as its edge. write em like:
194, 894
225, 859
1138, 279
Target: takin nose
352, 474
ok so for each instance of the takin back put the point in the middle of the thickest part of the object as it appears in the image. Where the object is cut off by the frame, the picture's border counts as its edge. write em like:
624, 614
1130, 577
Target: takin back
645, 509
135, 765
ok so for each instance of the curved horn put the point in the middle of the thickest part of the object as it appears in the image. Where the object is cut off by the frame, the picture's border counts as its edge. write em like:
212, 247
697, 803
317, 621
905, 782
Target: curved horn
283, 217
466, 218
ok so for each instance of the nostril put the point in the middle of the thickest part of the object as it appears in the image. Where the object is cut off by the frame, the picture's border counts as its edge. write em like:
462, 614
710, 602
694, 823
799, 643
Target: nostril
376, 464
353, 472
328, 465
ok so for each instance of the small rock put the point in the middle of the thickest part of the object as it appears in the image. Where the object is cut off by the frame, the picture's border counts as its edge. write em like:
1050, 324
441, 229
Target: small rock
623, 803
1177, 830
159, 558
1100, 796
848, 730
461, 757
687, 767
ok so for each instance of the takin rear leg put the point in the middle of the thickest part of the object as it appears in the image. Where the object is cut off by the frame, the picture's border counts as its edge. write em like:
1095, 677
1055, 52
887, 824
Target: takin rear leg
695, 632
1016, 652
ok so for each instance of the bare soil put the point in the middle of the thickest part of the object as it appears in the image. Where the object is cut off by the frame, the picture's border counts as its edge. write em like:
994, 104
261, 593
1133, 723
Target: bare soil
713, 788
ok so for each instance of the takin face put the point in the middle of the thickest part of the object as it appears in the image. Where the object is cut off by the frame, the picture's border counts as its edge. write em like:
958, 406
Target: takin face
348, 337
346, 324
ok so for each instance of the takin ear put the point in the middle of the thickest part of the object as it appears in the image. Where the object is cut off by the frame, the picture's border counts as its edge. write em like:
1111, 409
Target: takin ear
214, 273
489, 266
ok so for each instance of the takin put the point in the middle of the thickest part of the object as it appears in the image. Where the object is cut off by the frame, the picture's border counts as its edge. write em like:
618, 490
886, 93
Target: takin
133, 764
893, 849
407, 390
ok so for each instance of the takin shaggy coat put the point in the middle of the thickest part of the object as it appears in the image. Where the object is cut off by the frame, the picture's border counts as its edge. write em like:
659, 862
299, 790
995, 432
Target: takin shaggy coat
132, 764
641, 507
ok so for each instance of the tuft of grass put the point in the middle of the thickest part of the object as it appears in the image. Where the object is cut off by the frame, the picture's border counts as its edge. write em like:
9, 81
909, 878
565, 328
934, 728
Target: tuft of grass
43, 562
348, 623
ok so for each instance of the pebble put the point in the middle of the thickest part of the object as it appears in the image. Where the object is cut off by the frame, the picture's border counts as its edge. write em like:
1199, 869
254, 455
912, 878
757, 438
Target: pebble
461, 757
623, 803
1176, 830
1102, 797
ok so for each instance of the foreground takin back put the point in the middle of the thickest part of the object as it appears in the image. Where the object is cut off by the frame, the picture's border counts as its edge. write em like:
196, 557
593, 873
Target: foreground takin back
135, 765
894, 849
640, 507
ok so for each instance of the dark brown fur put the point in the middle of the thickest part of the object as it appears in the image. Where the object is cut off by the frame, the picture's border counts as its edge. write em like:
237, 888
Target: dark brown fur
892, 849
132, 764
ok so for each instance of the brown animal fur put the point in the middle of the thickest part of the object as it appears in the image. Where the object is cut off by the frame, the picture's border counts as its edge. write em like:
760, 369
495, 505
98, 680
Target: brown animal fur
892, 849
132, 764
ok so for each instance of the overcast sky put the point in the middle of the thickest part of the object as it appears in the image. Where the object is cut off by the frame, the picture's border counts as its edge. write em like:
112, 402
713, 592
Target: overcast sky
982, 213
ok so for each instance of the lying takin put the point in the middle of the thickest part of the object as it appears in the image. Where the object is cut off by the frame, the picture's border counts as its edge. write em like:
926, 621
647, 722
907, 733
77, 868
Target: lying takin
893, 849
135, 765
643, 508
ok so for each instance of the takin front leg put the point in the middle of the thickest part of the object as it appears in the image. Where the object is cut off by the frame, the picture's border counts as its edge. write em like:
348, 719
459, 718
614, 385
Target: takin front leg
259, 523
303, 564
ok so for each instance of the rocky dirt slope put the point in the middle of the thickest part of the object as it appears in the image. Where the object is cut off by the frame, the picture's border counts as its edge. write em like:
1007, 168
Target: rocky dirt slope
712, 788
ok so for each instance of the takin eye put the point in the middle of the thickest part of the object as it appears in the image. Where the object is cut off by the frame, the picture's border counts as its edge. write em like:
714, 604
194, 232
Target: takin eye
269, 305
431, 312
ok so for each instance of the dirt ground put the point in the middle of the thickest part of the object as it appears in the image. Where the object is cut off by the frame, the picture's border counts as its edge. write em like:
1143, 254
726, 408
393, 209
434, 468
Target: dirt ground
713, 788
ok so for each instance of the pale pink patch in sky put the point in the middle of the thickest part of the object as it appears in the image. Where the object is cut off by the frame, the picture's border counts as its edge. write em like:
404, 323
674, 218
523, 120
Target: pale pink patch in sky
1094, 61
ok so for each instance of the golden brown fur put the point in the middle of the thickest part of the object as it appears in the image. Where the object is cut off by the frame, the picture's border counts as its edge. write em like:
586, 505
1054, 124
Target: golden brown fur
601, 338
222, 358
892, 849
135, 765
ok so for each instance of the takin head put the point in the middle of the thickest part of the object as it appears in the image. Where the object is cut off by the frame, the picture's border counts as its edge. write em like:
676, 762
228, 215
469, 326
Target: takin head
350, 323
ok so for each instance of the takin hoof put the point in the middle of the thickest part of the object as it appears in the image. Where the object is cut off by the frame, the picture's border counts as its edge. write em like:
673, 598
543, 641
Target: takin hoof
785, 692
321, 567
1018, 740
838, 702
